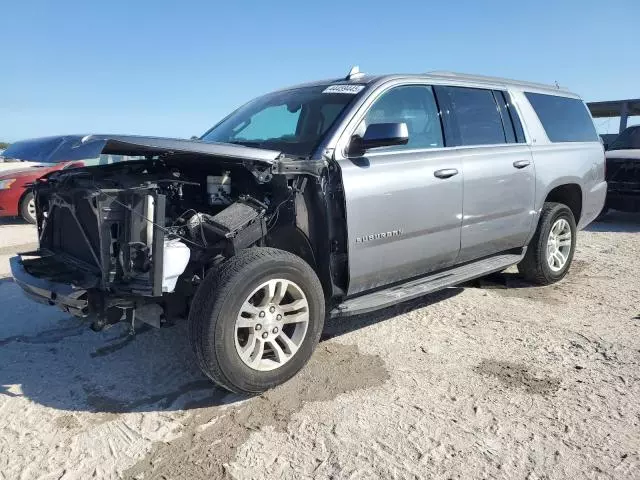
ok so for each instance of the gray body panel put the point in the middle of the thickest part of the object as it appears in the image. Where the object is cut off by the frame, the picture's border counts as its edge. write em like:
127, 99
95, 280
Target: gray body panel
398, 191
82, 147
499, 199
556, 164
488, 208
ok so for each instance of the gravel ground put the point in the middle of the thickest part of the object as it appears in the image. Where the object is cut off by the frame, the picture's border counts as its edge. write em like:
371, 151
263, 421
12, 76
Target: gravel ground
497, 379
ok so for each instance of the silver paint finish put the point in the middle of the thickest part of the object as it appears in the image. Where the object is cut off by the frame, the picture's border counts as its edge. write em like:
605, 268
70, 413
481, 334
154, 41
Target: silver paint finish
398, 191
498, 199
271, 325
457, 204
82, 147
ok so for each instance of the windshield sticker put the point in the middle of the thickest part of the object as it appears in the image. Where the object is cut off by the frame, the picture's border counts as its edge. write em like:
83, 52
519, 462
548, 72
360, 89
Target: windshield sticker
348, 89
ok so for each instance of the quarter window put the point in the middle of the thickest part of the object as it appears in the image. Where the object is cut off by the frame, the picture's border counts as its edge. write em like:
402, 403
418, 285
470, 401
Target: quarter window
564, 119
414, 105
473, 115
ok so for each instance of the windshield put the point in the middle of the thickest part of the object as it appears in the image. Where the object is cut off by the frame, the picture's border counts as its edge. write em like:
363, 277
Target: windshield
292, 121
629, 139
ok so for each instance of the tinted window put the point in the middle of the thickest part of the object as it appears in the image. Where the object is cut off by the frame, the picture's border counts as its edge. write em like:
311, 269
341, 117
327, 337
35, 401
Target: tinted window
515, 118
564, 119
474, 115
507, 124
628, 139
272, 122
414, 105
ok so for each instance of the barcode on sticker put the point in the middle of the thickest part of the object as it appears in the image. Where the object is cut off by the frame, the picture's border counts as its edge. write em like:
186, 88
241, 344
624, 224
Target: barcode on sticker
348, 89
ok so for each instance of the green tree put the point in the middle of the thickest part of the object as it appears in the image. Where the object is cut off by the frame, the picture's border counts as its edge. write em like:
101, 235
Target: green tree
3, 145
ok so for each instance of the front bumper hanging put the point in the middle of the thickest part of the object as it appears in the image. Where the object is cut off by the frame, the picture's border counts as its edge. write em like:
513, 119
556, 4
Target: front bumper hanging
67, 297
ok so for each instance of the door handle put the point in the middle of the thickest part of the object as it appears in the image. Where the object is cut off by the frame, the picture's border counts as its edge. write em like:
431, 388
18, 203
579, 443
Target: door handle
521, 163
446, 172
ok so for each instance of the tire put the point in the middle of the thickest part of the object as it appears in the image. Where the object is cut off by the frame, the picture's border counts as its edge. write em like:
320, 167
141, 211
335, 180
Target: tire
228, 290
535, 266
27, 208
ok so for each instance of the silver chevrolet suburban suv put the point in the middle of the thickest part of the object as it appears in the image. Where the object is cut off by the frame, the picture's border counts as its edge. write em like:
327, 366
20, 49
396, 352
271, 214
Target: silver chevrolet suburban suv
333, 198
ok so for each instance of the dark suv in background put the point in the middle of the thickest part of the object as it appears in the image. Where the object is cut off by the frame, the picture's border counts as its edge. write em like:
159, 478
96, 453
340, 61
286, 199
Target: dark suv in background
623, 172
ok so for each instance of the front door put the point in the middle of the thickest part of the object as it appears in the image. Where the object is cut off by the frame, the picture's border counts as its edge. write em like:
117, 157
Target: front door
403, 203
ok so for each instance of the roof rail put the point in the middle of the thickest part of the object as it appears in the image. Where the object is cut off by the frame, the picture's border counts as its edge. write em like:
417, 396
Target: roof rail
486, 78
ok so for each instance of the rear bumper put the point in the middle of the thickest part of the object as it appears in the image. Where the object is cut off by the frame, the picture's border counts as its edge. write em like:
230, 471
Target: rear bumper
625, 201
66, 297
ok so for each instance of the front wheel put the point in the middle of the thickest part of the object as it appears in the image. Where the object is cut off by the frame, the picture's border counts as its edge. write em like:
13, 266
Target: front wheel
550, 252
256, 319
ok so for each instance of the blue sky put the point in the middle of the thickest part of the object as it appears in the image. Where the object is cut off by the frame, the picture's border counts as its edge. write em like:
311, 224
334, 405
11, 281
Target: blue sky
175, 68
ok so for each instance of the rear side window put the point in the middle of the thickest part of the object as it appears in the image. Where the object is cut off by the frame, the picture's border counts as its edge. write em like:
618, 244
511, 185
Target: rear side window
473, 116
564, 119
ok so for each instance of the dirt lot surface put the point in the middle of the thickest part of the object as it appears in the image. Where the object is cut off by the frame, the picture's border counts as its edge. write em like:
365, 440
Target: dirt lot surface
494, 380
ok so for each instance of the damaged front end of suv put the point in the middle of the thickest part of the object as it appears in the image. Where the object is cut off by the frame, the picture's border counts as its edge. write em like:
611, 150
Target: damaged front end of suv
242, 232
133, 240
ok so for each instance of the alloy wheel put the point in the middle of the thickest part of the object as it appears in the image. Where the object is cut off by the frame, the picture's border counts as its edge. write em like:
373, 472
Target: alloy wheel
559, 245
271, 325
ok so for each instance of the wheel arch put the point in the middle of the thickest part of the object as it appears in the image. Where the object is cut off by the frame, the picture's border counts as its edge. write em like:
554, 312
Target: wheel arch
569, 194
293, 240
22, 195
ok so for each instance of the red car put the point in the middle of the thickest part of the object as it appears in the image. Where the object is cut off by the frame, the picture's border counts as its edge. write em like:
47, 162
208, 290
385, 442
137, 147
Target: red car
16, 199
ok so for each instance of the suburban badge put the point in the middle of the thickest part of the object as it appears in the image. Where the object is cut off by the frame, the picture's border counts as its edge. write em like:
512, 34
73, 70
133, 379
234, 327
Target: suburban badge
377, 236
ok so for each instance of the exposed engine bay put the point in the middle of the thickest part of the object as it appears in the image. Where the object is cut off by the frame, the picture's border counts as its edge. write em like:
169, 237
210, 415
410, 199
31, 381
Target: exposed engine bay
139, 234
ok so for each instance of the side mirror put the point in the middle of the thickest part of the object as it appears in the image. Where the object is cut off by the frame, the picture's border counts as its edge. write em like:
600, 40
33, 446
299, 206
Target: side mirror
381, 135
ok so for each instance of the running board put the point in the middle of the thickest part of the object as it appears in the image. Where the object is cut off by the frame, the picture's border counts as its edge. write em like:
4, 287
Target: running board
423, 286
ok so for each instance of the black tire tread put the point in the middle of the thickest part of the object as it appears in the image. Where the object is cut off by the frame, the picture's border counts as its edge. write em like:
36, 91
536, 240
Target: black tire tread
531, 266
218, 284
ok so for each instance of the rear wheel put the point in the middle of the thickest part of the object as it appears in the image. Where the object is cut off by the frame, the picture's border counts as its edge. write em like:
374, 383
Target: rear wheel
256, 319
550, 252
28, 208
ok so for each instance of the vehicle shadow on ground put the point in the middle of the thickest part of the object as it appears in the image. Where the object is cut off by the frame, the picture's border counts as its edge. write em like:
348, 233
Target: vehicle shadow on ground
57, 361
13, 221
616, 221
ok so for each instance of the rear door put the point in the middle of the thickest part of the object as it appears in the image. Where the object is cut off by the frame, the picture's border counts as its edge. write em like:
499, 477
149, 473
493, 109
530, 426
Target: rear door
499, 174
403, 214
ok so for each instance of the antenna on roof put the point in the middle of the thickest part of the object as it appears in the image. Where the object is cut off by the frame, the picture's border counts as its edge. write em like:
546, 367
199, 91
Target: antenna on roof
354, 73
